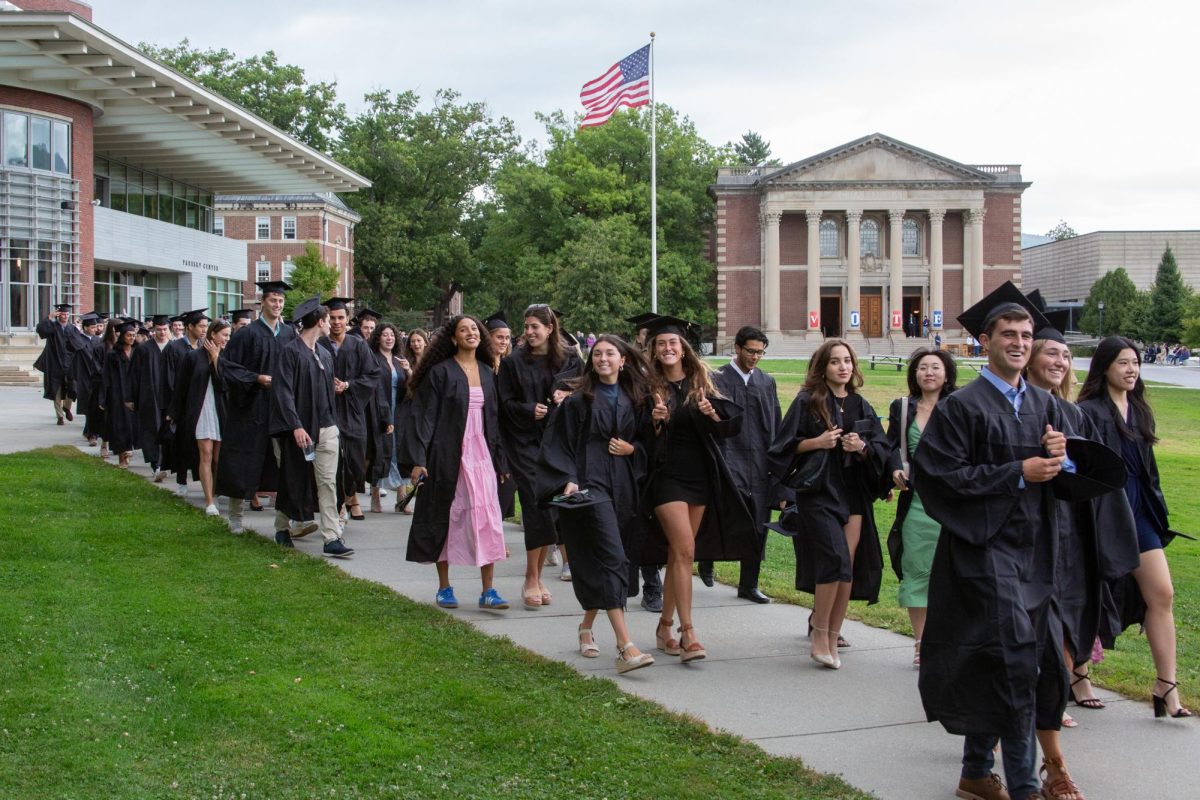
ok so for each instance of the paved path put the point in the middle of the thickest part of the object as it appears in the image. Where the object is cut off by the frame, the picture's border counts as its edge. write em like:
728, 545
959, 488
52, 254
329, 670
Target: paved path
863, 721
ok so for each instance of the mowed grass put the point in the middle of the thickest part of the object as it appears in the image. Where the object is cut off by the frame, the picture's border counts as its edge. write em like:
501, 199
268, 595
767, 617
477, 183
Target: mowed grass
149, 653
1128, 669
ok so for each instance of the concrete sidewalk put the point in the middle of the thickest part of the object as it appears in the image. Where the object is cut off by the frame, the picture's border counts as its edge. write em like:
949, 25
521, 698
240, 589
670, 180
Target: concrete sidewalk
863, 721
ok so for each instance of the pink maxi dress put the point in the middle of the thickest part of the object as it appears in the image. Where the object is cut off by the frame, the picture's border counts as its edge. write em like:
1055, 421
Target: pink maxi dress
476, 534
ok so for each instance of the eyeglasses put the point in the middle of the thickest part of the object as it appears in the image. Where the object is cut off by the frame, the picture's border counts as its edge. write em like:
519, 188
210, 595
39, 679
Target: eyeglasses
750, 352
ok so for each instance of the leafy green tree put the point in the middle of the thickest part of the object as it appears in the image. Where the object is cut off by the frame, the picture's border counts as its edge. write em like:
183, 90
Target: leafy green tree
1191, 324
1120, 298
279, 93
1061, 231
427, 167
1169, 300
753, 150
310, 275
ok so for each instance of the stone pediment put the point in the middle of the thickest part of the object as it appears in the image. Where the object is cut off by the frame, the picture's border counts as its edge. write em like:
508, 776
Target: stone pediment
875, 159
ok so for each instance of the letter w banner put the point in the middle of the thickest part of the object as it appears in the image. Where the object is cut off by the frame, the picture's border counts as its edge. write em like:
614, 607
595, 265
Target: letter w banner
624, 84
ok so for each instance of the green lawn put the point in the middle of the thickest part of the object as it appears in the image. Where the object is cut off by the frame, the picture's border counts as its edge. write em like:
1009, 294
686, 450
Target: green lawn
1129, 669
149, 653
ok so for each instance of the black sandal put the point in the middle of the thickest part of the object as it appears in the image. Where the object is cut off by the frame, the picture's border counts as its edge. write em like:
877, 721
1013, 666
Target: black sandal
1160, 701
1094, 703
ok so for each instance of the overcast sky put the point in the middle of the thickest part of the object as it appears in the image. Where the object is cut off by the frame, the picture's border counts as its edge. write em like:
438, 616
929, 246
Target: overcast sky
1096, 100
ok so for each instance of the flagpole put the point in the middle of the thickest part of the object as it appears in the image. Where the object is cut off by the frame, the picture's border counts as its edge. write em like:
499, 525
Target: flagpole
653, 188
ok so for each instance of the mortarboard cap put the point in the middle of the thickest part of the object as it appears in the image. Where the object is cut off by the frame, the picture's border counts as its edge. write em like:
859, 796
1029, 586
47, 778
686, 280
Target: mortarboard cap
1056, 325
1004, 298
127, 325
641, 320
63, 307
241, 313
1038, 301
1098, 470
143, 331
496, 321
368, 313
192, 317
335, 303
90, 318
665, 323
307, 307
160, 319
276, 287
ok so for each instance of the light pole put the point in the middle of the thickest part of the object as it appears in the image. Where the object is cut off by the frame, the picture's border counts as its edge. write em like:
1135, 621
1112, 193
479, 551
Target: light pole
1100, 306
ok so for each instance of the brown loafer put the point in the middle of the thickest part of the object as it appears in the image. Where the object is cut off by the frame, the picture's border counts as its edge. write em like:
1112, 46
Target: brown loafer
989, 788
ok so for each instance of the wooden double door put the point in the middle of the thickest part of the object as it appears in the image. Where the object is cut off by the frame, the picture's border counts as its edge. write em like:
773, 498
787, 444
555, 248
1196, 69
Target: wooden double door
871, 308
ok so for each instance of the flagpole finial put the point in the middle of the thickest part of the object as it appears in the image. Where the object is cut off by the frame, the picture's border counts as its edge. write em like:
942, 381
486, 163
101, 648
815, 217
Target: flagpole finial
651, 34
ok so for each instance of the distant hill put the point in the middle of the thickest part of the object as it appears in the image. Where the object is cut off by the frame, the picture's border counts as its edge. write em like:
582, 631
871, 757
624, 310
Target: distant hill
1033, 240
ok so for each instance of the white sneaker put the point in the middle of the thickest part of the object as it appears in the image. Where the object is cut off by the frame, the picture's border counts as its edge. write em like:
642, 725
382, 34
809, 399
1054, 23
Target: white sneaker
552, 559
383, 492
565, 575
235, 525
181, 490
298, 529
210, 510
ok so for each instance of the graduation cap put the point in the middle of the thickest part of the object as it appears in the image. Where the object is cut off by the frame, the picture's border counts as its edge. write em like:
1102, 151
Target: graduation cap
241, 313
142, 331
496, 321
307, 307
368, 313
1098, 470
160, 319
641, 320
338, 303
1057, 323
90, 318
276, 287
193, 317
788, 523
102, 315
580, 499
63, 308
665, 323
1038, 301
127, 325
1004, 298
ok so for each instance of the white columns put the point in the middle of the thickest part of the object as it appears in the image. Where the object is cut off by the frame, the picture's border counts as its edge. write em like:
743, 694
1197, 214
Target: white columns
936, 315
813, 323
770, 232
896, 278
853, 316
975, 215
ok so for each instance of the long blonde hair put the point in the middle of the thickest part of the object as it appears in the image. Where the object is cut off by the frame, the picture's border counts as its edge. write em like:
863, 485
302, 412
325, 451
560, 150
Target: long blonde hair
1067, 387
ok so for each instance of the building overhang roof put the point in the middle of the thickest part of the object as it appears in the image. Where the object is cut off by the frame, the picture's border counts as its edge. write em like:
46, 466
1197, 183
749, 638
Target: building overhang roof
151, 116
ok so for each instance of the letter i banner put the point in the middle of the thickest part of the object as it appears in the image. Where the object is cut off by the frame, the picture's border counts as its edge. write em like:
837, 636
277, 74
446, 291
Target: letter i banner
814, 320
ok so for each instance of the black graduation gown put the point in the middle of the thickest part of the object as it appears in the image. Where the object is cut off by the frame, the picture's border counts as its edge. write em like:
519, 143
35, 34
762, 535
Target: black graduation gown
145, 368
195, 373
1118, 556
55, 360
522, 382
297, 379
432, 438
120, 424
727, 530
850, 484
575, 450
746, 451
992, 580
381, 446
168, 370
87, 362
354, 363
247, 464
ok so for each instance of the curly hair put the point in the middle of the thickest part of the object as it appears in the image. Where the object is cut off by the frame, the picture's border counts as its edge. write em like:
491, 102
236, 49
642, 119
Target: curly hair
378, 332
443, 347
632, 378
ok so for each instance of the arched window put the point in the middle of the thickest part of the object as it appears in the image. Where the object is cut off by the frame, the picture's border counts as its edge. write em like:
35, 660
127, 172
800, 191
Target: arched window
912, 237
829, 238
868, 238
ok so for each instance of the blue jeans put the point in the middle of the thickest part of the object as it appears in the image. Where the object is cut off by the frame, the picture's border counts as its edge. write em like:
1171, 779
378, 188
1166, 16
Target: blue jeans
1020, 761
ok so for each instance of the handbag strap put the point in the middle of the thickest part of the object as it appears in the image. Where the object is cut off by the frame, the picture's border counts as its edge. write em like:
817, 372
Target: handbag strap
904, 434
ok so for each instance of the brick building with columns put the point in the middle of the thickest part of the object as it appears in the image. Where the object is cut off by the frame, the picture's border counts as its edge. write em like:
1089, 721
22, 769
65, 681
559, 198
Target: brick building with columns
861, 241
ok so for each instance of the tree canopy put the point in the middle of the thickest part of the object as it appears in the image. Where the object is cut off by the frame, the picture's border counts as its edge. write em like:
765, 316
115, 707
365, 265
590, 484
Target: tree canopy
1168, 303
1061, 231
753, 150
1121, 305
310, 275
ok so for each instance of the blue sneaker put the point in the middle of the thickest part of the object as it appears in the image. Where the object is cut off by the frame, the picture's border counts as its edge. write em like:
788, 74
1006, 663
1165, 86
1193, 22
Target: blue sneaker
491, 599
446, 598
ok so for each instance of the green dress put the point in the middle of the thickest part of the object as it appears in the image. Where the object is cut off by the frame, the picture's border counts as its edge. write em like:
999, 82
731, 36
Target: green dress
920, 536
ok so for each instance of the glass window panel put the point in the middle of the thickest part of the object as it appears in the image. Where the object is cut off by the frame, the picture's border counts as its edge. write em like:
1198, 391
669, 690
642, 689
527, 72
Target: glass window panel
911, 237
179, 203
829, 238
45, 262
62, 148
262, 271
100, 166
289, 227
39, 137
166, 206
151, 205
44, 293
16, 140
116, 195
288, 266
164, 185
218, 227
262, 228
193, 215
869, 237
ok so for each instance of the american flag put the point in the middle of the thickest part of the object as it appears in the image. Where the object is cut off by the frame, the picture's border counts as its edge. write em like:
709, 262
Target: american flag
626, 83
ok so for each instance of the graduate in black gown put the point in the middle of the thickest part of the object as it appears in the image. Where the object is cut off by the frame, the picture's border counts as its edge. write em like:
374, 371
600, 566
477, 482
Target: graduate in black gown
248, 462
55, 361
385, 411
838, 557
530, 385
195, 326
355, 376
145, 369
116, 393
984, 466
698, 512
1114, 398
746, 453
198, 408
598, 444
501, 336
87, 360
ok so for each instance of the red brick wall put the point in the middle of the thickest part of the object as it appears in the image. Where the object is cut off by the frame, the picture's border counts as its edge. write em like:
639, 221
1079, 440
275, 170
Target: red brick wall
994, 277
952, 238
952, 290
743, 237
52, 6
793, 239
998, 224
743, 305
82, 167
793, 297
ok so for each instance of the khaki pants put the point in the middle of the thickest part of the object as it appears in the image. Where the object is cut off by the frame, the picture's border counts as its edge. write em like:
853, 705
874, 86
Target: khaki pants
325, 469
61, 402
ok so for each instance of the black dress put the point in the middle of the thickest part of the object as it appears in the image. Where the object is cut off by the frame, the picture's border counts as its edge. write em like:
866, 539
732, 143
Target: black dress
145, 368
120, 423
600, 537
685, 475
